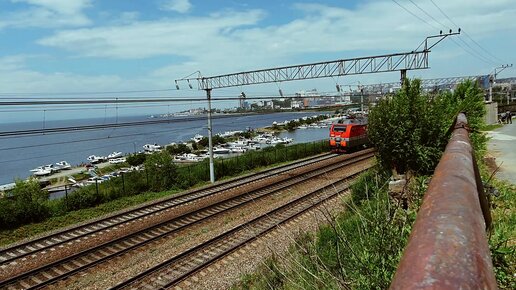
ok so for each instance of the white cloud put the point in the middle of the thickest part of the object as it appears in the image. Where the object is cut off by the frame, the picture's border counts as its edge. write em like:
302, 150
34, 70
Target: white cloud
154, 38
181, 6
16, 76
229, 41
47, 14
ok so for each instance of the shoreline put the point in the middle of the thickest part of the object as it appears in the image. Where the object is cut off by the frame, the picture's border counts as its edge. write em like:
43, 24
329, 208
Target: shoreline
77, 169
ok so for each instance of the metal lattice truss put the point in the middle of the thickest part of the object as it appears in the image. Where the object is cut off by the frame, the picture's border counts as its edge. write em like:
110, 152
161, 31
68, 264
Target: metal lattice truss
425, 83
364, 65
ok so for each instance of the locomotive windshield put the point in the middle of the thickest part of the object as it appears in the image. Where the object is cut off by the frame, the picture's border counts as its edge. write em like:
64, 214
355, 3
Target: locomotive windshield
339, 128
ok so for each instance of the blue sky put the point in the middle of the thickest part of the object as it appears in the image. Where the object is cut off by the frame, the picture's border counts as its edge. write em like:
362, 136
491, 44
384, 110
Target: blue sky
93, 45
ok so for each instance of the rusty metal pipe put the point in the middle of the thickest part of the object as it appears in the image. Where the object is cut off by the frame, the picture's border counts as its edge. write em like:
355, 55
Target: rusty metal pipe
447, 248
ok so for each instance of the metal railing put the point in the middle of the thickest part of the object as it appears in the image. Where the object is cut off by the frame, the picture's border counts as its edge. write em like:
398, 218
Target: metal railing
448, 248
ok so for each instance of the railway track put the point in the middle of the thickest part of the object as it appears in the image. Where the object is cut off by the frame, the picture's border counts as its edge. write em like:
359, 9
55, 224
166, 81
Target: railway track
171, 272
31, 248
68, 266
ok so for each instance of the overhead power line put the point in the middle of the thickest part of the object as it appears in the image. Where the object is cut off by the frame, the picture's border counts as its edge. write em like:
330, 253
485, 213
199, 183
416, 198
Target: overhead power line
466, 33
96, 127
472, 51
86, 93
92, 139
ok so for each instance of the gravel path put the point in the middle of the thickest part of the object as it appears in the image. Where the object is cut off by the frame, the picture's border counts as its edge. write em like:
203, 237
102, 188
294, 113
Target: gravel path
501, 146
128, 265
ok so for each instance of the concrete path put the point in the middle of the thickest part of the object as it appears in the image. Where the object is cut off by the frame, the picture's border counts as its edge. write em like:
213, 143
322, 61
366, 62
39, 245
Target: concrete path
503, 147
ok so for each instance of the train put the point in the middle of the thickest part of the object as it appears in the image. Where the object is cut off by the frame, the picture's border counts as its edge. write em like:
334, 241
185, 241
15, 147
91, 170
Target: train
348, 134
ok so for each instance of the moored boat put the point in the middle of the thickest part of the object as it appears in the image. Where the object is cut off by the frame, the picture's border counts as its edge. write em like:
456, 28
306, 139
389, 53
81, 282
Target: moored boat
63, 165
115, 155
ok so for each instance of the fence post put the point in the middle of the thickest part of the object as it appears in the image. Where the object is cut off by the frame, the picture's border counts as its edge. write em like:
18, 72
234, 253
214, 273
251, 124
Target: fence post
123, 183
97, 186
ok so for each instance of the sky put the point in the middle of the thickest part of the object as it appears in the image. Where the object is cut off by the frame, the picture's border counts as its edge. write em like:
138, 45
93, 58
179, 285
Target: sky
54, 48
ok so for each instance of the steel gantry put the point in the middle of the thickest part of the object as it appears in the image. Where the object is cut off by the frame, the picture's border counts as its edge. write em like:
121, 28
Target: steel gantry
425, 83
416, 59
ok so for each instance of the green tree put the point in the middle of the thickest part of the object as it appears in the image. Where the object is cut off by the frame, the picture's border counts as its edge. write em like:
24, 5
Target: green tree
410, 130
28, 191
26, 204
178, 149
162, 170
136, 159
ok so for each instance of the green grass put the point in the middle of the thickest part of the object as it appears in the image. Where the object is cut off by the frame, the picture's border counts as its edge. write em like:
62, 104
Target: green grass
491, 127
360, 249
61, 219
10, 236
502, 241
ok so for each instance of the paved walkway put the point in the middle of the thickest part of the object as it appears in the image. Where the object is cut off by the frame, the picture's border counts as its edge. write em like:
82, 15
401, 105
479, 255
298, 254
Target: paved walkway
503, 147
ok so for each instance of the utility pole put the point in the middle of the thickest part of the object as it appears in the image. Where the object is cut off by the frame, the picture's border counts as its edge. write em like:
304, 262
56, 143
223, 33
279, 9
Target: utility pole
492, 78
416, 59
210, 134
361, 88
403, 76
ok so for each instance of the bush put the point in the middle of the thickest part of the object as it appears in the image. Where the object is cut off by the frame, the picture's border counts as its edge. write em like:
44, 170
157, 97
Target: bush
136, 159
25, 205
410, 130
161, 170
178, 149
370, 181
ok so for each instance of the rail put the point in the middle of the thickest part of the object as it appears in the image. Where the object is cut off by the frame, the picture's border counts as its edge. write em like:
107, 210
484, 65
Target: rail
447, 248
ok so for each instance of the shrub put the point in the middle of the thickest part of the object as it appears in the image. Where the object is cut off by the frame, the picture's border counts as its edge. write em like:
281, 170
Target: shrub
25, 205
178, 149
410, 130
136, 159
162, 171
370, 181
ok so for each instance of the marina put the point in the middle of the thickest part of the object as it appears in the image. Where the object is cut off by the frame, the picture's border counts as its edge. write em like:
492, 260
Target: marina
110, 146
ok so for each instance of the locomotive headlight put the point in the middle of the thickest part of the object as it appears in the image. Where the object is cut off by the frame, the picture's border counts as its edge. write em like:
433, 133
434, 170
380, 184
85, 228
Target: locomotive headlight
338, 139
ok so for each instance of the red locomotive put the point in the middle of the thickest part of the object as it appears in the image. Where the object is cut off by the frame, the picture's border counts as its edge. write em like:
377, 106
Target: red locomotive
348, 134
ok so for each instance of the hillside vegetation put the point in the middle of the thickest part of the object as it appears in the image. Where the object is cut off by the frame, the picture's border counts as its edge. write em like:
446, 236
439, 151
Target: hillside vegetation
361, 247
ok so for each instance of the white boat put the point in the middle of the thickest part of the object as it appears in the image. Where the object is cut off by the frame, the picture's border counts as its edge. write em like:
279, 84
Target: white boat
186, 157
95, 179
302, 127
253, 147
95, 159
42, 172
117, 160
63, 165
197, 138
115, 155
276, 141
220, 150
152, 147
238, 149
229, 133
239, 143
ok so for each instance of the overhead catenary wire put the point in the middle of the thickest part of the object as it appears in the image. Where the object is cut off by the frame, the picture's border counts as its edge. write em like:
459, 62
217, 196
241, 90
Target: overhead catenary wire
29, 132
87, 93
475, 54
466, 33
92, 139
122, 101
